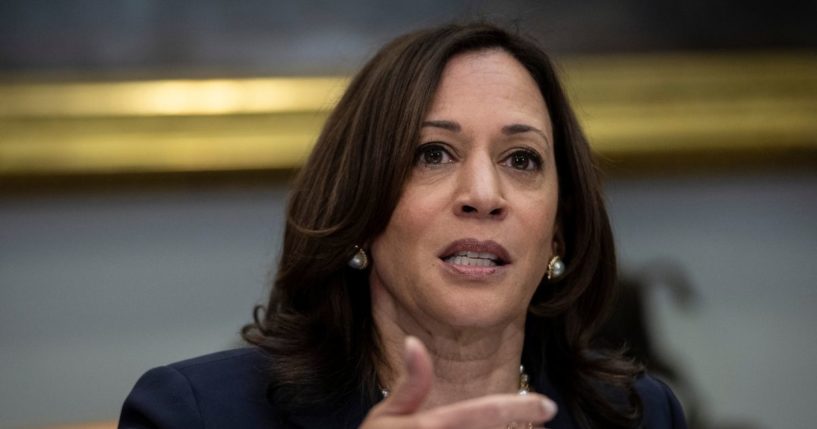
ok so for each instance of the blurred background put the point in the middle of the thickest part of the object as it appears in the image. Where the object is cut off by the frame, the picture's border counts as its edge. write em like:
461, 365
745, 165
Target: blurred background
146, 149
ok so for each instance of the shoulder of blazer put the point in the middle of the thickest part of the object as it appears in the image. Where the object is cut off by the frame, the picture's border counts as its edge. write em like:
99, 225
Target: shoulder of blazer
661, 407
225, 389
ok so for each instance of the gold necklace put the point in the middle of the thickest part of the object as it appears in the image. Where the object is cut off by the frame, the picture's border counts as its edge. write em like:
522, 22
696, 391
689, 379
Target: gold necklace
524, 389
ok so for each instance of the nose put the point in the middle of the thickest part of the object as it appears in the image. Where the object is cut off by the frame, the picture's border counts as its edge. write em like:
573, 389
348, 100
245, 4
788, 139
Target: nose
479, 192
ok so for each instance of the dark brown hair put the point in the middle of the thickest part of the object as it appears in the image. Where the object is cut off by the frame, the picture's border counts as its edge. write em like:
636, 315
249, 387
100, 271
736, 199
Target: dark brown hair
318, 321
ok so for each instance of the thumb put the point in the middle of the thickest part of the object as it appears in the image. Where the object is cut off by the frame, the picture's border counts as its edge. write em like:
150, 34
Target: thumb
413, 387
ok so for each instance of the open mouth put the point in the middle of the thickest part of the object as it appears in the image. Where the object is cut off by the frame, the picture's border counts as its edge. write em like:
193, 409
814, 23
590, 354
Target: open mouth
475, 253
474, 259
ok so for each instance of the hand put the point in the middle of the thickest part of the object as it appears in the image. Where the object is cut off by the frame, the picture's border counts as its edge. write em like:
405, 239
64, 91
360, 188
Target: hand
400, 409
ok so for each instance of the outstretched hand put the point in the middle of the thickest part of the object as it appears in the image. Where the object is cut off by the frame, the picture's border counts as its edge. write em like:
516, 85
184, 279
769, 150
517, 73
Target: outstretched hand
401, 409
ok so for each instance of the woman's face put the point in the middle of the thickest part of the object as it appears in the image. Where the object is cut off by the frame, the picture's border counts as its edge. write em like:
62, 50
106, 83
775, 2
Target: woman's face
470, 238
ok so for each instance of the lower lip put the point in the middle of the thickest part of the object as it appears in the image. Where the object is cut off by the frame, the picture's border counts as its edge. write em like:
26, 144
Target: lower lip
473, 271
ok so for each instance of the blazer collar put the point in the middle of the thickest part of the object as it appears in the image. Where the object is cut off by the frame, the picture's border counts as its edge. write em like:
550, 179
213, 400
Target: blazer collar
349, 412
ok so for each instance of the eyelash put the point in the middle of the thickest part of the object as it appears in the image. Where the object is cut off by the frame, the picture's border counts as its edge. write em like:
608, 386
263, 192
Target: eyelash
426, 149
533, 161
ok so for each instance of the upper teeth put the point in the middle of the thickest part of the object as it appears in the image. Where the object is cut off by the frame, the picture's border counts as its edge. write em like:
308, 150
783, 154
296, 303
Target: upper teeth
480, 255
482, 259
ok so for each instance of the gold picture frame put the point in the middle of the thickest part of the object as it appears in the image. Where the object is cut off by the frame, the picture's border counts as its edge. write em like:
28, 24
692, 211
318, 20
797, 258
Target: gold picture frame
640, 112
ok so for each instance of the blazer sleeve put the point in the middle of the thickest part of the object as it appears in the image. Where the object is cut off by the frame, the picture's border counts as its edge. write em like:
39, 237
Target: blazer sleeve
661, 408
163, 398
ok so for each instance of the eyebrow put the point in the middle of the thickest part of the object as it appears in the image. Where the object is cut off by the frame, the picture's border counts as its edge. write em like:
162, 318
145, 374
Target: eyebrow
512, 129
507, 130
446, 125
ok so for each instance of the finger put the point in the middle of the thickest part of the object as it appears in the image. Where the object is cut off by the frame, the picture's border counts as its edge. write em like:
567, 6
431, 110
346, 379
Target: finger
413, 387
493, 411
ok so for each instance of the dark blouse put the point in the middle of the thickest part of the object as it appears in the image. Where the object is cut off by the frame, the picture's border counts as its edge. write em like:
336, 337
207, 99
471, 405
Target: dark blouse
229, 390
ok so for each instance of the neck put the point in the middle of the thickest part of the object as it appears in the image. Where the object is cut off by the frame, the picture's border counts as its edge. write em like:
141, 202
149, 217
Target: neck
468, 362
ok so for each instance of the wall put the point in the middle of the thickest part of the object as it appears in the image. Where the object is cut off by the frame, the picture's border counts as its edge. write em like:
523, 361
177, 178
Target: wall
97, 287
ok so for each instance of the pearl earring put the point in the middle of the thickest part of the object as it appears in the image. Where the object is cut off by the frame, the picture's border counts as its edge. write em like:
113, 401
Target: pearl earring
359, 260
556, 268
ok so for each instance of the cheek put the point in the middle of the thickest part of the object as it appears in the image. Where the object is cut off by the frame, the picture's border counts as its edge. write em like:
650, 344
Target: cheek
408, 236
415, 216
401, 252
537, 222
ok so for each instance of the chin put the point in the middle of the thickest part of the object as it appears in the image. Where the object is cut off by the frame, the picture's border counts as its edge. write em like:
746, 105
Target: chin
475, 311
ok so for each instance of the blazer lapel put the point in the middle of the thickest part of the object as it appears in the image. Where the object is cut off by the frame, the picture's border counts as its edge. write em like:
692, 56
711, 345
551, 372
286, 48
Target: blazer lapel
348, 414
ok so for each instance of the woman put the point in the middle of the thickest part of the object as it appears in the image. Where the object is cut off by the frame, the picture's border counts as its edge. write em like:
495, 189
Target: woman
446, 258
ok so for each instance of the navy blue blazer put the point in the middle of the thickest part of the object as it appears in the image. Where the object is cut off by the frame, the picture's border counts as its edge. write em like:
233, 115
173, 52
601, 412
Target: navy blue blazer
229, 390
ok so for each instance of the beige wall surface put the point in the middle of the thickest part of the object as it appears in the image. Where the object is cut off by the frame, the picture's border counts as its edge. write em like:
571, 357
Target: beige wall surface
97, 287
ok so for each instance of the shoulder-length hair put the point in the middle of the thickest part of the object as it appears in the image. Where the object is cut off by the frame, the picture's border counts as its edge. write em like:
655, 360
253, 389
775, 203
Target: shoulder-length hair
318, 322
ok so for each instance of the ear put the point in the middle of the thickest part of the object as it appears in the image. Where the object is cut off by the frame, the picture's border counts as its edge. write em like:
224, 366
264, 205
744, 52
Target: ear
558, 243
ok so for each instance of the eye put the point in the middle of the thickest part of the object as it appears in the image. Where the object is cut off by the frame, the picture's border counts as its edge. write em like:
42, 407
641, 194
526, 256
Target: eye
526, 160
433, 154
